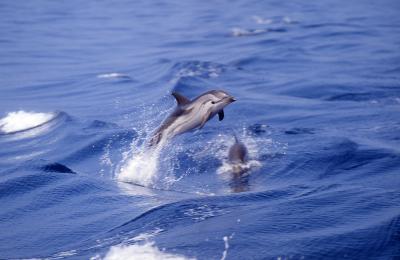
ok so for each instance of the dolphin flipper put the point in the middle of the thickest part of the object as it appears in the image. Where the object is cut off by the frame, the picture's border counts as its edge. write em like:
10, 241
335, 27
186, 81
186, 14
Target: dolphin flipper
180, 99
221, 115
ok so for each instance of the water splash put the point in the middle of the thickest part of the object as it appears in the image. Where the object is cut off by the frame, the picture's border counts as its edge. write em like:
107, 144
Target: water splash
141, 163
141, 168
227, 168
226, 244
260, 20
148, 251
21, 120
238, 32
113, 75
143, 248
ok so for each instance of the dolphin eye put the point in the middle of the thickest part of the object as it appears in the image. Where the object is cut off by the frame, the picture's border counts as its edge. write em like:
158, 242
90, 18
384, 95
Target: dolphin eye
213, 102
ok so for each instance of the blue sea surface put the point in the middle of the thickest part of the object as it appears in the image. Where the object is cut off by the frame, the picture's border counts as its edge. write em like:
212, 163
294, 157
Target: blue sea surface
84, 84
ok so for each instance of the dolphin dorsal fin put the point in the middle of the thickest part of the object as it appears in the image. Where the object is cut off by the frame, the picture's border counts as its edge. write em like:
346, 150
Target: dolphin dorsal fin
180, 99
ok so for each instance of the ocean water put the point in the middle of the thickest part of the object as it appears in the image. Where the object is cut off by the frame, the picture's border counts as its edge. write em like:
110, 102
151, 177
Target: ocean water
83, 84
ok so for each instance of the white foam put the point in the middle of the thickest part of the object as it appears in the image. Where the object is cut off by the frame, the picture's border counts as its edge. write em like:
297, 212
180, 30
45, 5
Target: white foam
203, 212
105, 159
237, 32
141, 168
147, 251
226, 243
206, 70
65, 254
21, 120
261, 20
112, 75
287, 20
226, 168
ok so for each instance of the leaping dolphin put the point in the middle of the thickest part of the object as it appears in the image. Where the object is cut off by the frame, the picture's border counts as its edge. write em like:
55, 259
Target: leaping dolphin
190, 114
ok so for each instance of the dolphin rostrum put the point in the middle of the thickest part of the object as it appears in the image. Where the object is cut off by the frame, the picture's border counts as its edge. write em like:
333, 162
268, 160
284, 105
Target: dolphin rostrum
190, 114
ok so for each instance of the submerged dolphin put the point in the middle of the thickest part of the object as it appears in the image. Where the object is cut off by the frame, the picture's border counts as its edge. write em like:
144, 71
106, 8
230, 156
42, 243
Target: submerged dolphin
237, 153
190, 114
238, 158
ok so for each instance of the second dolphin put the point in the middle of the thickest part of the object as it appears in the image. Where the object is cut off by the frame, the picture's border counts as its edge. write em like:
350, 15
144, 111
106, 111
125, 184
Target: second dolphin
237, 157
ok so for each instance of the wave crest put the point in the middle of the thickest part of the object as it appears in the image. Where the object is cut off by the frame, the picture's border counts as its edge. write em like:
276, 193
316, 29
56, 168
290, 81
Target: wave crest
20, 121
146, 251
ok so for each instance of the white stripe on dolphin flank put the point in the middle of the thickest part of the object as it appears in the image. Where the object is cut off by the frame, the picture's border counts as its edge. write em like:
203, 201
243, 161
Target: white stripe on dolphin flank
191, 114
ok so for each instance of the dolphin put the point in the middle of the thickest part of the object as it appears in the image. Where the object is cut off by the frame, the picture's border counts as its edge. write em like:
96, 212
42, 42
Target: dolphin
237, 158
237, 152
191, 114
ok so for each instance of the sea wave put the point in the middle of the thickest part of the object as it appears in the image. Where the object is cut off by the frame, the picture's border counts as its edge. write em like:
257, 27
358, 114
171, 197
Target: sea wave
21, 120
148, 251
